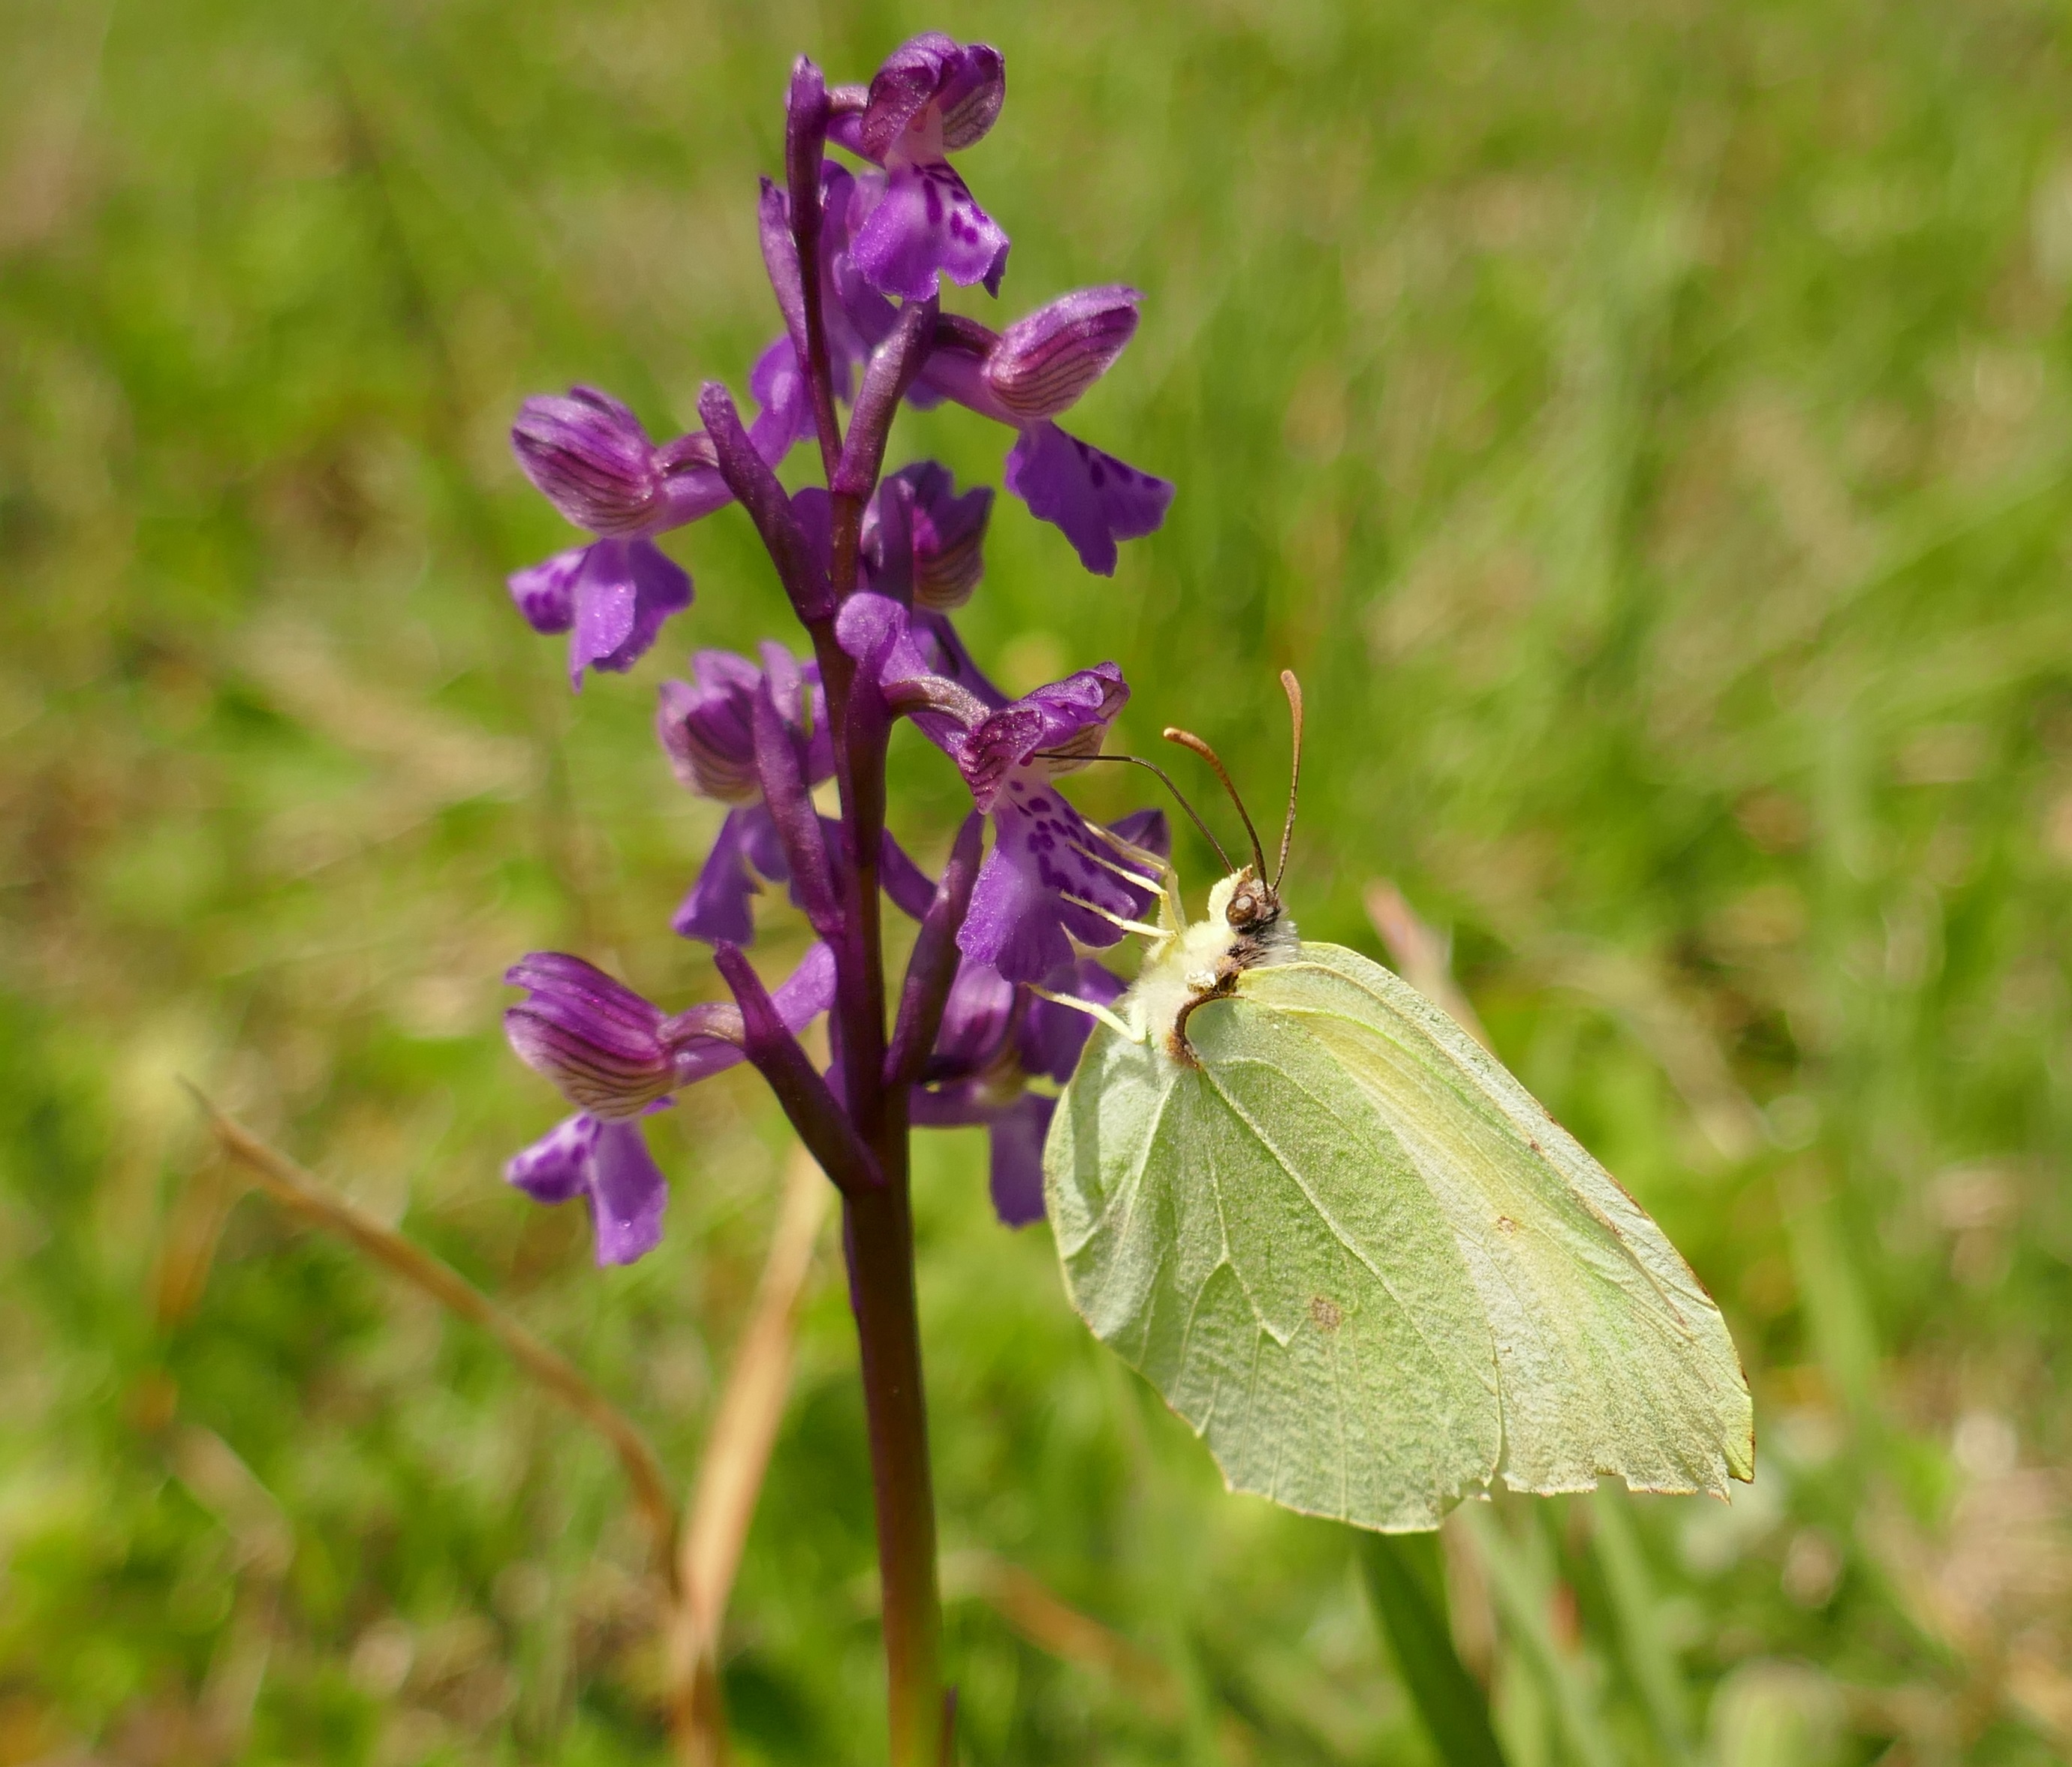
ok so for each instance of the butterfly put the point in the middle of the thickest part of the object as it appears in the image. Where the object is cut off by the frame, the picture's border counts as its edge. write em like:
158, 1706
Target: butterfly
1355, 1254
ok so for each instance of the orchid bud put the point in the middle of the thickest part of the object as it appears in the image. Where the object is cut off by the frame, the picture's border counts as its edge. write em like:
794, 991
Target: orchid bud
1046, 359
918, 511
948, 533
707, 728
595, 1038
591, 460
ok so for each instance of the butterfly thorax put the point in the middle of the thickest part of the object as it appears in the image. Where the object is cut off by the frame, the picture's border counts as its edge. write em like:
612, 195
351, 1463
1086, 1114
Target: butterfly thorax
1202, 961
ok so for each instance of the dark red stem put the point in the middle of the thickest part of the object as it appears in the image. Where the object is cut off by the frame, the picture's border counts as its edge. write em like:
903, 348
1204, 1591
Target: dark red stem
878, 1218
782, 1060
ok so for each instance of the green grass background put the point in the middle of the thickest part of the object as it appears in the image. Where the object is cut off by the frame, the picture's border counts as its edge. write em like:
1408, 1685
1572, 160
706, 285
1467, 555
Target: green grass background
1644, 423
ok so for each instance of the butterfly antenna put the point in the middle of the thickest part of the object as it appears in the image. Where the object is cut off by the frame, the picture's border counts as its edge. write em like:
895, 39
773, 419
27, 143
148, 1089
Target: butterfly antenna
1188, 740
1293, 689
1165, 778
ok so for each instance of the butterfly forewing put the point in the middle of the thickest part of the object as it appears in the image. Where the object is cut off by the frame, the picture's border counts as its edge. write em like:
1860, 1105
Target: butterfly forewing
1363, 1263
1612, 1358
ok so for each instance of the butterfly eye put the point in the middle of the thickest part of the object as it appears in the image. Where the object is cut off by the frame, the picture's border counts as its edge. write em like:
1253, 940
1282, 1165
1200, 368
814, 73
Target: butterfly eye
1252, 905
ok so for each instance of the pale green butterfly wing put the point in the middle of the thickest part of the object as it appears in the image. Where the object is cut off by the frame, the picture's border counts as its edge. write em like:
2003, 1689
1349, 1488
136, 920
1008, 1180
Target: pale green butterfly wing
1235, 1233
1611, 1357
1367, 1266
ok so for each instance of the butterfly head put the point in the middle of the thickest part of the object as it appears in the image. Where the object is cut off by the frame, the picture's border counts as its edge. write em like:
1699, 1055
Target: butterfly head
1252, 905
1246, 926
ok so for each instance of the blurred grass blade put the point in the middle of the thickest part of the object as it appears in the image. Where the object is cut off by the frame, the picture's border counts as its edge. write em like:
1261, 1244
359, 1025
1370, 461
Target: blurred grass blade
263, 1547
1636, 992
1523, 1595
1406, 1585
1423, 956
737, 1456
1649, 1658
300, 1192
1838, 1315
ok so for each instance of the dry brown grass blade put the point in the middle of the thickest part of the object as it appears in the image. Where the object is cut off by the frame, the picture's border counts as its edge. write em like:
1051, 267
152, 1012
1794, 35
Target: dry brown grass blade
188, 1248
302, 1194
1423, 954
737, 1456
1052, 1624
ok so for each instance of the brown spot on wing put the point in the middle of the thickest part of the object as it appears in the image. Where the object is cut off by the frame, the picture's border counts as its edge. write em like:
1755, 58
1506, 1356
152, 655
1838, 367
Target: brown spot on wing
1328, 1314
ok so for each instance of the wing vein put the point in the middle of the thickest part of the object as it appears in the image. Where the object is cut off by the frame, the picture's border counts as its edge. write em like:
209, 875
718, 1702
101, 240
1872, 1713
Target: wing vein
1259, 1135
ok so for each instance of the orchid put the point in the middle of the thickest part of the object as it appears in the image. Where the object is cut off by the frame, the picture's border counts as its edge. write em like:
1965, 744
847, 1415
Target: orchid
996, 1038
1024, 377
590, 457
918, 218
1032, 373
619, 1057
876, 565
707, 729
1052, 878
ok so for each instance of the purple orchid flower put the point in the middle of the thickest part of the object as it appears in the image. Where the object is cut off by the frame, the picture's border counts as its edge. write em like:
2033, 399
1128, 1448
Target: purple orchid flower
1031, 374
932, 96
1050, 877
590, 457
1047, 880
995, 1038
707, 729
619, 1057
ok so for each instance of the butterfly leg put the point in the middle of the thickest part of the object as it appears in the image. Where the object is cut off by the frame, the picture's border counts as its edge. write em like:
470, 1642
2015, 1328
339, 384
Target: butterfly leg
1222, 987
1093, 1010
1156, 934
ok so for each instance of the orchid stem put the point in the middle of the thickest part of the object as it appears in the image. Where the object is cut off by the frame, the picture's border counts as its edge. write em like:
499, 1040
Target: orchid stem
880, 1231
877, 1221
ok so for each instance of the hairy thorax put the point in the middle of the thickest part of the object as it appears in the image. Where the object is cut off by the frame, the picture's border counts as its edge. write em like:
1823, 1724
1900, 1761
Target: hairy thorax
1243, 929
